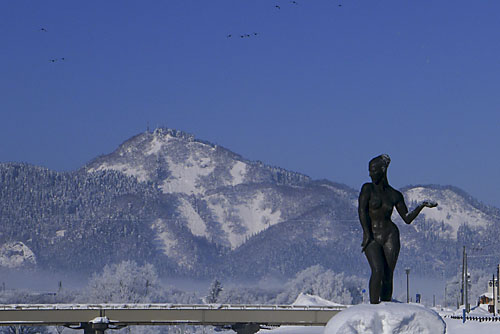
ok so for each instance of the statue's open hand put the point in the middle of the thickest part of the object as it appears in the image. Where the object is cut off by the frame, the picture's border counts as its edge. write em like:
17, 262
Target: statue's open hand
430, 204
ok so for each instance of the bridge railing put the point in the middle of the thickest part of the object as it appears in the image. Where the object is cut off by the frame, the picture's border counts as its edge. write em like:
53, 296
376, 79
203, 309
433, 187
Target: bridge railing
163, 306
96, 318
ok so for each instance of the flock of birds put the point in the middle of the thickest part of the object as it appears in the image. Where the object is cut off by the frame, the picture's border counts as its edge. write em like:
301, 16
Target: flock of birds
244, 35
278, 7
296, 3
293, 2
53, 60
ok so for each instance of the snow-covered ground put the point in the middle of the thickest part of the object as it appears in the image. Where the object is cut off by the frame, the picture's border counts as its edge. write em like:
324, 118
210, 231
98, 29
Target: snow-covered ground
456, 326
453, 326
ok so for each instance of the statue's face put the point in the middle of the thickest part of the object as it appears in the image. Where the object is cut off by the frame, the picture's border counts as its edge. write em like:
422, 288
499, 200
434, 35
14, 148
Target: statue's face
377, 172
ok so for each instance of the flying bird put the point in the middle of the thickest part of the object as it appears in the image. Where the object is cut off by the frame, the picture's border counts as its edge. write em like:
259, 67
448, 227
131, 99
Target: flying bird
53, 60
43, 29
229, 36
277, 7
294, 2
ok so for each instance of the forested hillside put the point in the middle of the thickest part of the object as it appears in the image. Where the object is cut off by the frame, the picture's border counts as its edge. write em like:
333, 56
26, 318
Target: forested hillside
191, 208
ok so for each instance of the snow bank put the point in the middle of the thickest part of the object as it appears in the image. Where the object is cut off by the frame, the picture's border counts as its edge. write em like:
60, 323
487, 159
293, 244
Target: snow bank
475, 311
481, 311
305, 299
386, 318
100, 320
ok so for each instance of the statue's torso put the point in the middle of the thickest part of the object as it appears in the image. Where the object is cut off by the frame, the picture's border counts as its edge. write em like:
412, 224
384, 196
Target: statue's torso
380, 207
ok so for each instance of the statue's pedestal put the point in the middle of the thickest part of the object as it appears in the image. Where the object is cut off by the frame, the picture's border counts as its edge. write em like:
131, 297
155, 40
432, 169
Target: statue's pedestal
386, 318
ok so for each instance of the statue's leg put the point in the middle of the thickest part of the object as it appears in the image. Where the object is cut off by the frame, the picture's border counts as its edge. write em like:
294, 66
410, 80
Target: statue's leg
376, 258
391, 251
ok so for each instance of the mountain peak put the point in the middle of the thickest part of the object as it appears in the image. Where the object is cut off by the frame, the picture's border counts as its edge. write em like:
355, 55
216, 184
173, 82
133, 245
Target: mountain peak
179, 163
163, 132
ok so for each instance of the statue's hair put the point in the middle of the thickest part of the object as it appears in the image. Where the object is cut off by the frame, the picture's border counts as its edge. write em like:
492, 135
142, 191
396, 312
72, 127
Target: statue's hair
383, 158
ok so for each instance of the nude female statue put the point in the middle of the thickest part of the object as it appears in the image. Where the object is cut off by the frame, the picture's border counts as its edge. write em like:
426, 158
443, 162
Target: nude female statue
377, 200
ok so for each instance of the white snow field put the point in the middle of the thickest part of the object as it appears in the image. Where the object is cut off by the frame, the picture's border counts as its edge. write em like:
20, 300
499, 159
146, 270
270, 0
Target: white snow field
452, 327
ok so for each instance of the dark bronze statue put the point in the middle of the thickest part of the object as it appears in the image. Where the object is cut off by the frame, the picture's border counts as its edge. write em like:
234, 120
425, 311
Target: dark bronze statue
377, 200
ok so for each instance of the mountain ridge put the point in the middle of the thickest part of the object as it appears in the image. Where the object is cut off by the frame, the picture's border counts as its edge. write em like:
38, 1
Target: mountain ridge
197, 209
160, 138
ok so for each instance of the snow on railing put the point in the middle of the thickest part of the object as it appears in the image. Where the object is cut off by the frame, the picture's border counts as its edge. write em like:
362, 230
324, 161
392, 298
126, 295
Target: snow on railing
5, 307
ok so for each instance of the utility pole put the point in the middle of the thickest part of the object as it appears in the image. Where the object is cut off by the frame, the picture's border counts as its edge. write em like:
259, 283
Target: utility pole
467, 306
493, 295
445, 291
407, 270
462, 299
496, 296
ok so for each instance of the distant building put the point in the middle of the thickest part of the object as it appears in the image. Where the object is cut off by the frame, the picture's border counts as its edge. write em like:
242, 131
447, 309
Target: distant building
487, 297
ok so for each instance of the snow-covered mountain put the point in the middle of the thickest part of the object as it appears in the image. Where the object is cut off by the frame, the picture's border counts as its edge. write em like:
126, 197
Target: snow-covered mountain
194, 208
179, 163
455, 209
16, 255
206, 178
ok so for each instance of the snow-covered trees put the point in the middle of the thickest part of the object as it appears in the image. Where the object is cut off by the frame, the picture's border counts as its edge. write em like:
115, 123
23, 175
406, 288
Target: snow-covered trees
316, 280
31, 297
248, 295
213, 292
126, 282
24, 330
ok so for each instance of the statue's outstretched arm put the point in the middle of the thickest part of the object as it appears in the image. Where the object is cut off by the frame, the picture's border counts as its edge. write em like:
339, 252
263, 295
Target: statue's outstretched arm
408, 217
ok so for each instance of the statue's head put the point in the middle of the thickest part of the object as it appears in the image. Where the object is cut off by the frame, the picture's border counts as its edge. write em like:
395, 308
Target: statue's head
378, 168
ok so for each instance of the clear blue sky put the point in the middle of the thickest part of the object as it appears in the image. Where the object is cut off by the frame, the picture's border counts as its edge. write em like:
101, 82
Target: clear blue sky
321, 88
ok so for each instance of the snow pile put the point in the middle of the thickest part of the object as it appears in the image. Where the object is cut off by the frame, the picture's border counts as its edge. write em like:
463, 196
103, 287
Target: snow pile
100, 320
481, 310
386, 318
475, 311
305, 299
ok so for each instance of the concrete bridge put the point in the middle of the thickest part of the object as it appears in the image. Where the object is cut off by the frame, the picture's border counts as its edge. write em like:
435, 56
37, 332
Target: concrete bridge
96, 318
